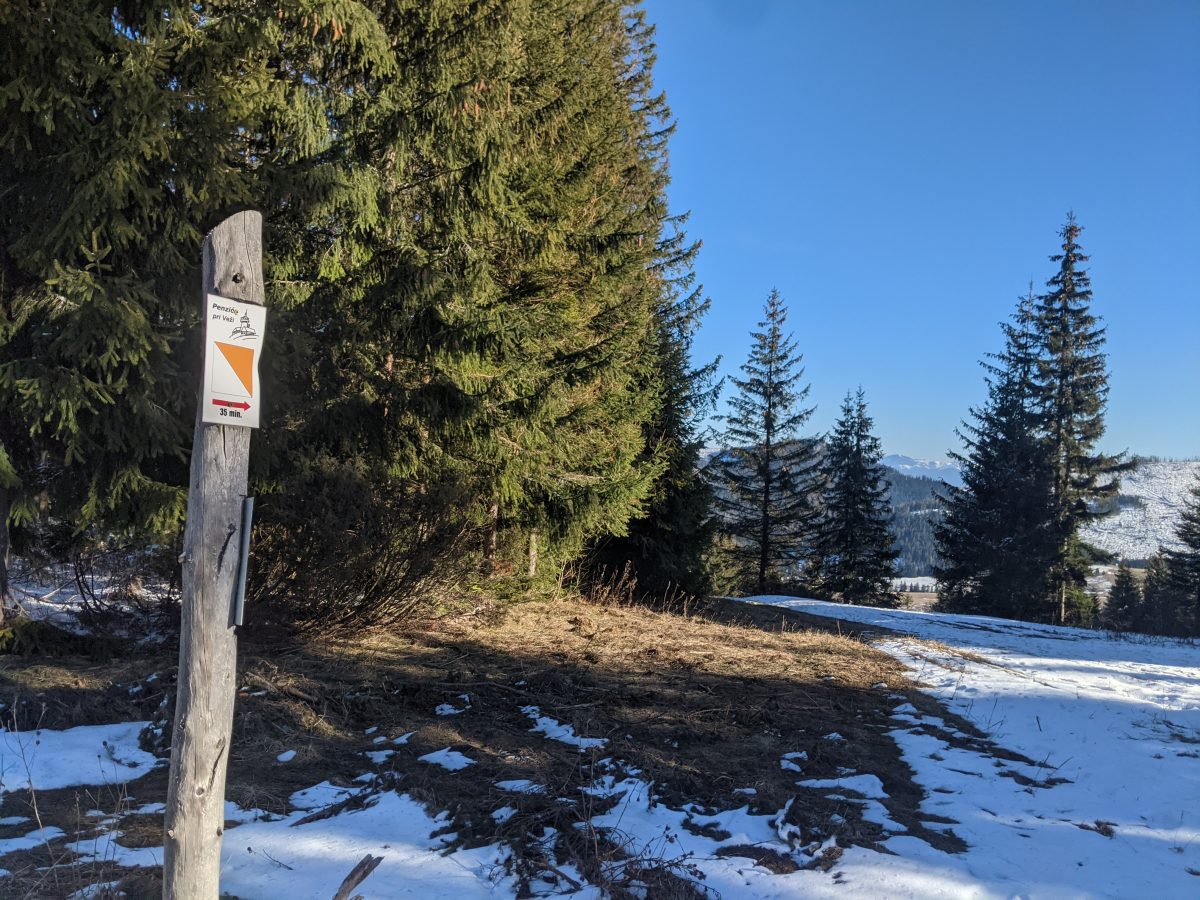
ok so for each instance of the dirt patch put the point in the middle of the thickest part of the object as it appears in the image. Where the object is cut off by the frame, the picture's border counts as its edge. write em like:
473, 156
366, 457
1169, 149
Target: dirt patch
705, 705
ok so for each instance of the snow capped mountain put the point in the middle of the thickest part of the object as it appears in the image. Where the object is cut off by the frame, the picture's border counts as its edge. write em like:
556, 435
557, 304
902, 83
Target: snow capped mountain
937, 469
1148, 509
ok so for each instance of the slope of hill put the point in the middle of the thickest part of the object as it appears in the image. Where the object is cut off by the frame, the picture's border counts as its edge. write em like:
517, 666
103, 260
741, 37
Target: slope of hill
915, 512
1147, 509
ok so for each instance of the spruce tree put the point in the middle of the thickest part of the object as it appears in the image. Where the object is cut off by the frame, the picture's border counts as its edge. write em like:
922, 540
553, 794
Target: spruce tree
767, 479
1161, 601
858, 557
130, 130
1183, 564
1123, 601
1072, 389
992, 543
495, 337
666, 546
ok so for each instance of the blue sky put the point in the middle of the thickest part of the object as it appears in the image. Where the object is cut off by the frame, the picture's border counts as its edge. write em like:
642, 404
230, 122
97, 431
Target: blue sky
900, 170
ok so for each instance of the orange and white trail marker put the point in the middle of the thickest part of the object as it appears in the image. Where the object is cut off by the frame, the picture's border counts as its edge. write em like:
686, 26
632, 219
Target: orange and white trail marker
233, 339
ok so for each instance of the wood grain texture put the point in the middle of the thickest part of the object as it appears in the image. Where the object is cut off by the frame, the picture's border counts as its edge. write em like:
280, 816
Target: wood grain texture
195, 819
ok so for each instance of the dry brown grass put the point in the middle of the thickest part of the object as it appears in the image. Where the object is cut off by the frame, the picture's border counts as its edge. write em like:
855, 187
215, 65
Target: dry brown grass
701, 704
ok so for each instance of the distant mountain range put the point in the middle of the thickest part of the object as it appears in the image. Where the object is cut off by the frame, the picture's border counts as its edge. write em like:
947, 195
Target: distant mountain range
936, 469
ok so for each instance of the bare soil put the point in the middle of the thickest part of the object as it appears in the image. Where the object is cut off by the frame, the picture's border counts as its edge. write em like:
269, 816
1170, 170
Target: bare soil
702, 704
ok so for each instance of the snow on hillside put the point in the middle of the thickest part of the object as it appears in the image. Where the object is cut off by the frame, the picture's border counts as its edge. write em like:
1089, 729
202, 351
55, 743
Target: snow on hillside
1107, 804
1148, 509
937, 469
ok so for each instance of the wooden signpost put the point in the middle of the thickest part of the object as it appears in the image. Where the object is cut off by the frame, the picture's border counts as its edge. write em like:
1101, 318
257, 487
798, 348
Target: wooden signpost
214, 546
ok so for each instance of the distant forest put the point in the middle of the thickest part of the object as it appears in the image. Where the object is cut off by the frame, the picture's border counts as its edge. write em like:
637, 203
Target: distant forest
915, 512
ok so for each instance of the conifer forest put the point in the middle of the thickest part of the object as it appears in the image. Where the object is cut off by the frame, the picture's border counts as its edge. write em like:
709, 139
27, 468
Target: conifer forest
482, 311
494, 467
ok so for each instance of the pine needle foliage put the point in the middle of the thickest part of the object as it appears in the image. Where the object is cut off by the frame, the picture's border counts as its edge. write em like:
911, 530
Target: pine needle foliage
475, 301
767, 482
858, 558
129, 130
1183, 564
1123, 601
1072, 390
992, 543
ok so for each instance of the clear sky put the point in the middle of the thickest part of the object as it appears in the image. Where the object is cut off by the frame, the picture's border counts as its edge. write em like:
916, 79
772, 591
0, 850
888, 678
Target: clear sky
900, 170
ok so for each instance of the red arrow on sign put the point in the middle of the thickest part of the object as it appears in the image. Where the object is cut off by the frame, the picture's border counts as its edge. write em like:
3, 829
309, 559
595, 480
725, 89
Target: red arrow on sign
242, 405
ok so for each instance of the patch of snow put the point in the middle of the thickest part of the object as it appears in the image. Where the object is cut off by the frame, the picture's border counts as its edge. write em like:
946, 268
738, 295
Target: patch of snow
447, 759
31, 840
86, 755
867, 785
235, 813
1109, 726
286, 756
1149, 507
403, 739
557, 731
449, 709
106, 848
319, 796
379, 757
309, 862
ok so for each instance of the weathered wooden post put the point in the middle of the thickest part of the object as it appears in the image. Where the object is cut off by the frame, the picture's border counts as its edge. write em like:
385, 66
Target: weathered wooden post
195, 817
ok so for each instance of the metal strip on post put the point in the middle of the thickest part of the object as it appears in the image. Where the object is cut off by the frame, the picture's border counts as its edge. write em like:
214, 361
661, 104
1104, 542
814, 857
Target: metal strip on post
239, 599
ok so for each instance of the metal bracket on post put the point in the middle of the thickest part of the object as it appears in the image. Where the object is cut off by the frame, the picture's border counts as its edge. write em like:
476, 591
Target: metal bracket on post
239, 597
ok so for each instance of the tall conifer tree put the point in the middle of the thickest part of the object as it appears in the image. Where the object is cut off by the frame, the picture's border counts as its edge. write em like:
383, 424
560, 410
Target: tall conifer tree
1072, 389
858, 557
666, 546
767, 479
1184, 563
1159, 612
992, 543
1123, 601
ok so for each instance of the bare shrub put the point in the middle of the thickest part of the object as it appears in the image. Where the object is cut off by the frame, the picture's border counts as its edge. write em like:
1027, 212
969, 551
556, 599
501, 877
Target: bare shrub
345, 546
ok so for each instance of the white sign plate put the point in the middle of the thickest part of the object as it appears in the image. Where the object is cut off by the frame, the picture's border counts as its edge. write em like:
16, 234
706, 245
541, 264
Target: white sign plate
233, 338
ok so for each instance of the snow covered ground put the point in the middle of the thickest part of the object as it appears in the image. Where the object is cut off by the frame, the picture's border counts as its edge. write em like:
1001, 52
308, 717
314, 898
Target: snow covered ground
1149, 506
1105, 804
1118, 719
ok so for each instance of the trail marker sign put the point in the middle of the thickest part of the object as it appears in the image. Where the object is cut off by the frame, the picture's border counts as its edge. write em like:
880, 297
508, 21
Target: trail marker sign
233, 338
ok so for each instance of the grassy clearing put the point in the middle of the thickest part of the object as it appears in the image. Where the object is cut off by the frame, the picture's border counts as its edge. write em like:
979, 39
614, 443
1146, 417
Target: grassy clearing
703, 704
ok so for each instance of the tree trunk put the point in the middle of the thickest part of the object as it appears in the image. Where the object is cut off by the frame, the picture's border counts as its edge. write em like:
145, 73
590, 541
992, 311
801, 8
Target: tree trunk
5, 591
533, 554
492, 539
